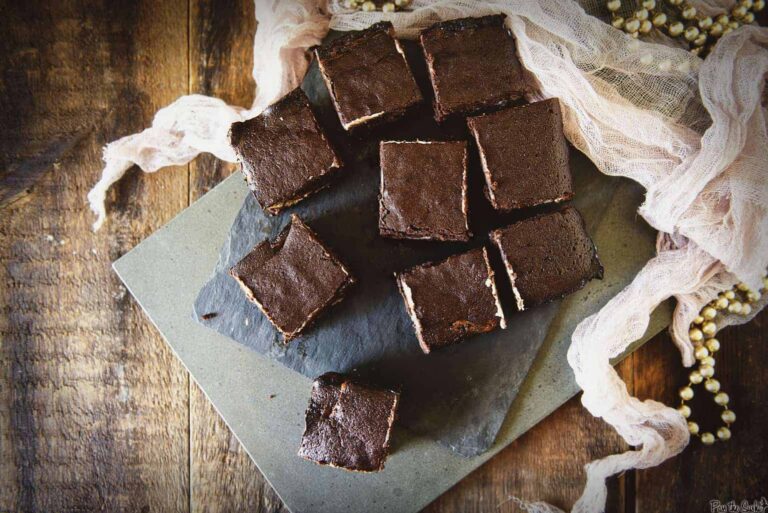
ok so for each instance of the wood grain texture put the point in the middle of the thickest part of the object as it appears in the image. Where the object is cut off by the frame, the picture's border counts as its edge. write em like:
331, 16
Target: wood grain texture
735, 470
94, 407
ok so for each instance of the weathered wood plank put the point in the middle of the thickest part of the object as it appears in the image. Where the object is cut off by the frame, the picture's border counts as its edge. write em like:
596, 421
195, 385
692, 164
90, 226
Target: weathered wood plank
93, 406
222, 475
735, 470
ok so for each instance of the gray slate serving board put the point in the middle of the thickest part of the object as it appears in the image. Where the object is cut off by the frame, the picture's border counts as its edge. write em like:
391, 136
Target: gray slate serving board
166, 271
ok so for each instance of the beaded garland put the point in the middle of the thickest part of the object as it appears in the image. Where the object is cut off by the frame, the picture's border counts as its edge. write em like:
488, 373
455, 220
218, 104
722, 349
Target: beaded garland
369, 6
700, 32
736, 301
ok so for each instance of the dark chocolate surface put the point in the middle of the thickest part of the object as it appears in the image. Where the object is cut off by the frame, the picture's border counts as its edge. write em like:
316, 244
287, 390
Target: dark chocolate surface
450, 300
548, 256
473, 65
283, 152
348, 424
423, 190
524, 155
293, 279
367, 75
459, 395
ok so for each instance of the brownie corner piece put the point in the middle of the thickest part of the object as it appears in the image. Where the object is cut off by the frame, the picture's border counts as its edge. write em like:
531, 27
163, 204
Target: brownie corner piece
547, 257
292, 280
348, 424
524, 155
450, 300
307, 161
423, 192
368, 77
465, 76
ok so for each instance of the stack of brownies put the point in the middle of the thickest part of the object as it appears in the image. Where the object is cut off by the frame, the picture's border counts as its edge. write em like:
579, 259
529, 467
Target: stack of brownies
476, 78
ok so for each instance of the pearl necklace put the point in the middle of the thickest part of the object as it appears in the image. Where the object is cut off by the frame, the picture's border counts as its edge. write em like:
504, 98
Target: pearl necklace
702, 333
369, 6
700, 32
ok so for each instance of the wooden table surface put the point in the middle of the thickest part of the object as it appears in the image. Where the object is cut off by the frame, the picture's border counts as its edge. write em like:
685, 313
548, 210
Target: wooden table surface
96, 414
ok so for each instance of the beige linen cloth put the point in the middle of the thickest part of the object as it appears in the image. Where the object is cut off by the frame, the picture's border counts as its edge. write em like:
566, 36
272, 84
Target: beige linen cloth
691, 132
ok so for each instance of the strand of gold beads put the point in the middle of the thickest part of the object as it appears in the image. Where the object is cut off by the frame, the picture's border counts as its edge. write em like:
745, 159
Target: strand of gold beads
737, 301
369, 6
700, 32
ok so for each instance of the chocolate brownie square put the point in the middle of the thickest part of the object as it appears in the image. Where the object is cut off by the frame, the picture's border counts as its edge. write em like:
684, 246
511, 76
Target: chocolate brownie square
424, 190
450, 300
524, 155
348, 424
284, 153
547, 257
368, 76
292, 280
473, 65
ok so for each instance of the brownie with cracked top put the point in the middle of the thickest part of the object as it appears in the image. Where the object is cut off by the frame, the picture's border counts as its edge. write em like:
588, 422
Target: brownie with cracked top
283, 153
473, 65
547, 257
524, 155
423, 191
292, 280
450, 300
348, 424
368, 77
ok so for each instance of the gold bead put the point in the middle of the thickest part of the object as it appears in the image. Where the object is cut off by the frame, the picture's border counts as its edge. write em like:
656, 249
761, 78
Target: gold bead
686, 393
350, 4
721, 302
684, 410
632, 25
649, 4
696, 335
676, 2
614, 5
695, 377
722, 398
729, 294
659, 20
691, 33
723, 19
712, 385
765, 278
742, 287
369, 6
747, 3
724, 433
633, 35
689, 12
708, 361
735, 307
748, 18
709, 328
716, 30
738, 12
645, 27
618, 22
746, 309
707, 438
700, 352
676, 29
388, 7
757, 7
728, 416
402, 3
698, 319
753, 296
709, 313
693, 428
713, 345
641, 14
707, 371
700, 40
705, 22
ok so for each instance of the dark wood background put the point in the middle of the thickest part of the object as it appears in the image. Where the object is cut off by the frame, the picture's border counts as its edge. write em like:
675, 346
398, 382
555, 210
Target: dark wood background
96, 413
